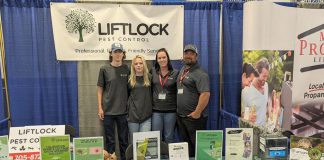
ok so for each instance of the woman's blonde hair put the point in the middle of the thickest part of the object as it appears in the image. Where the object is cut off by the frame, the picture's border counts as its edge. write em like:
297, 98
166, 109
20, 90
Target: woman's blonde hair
132, 77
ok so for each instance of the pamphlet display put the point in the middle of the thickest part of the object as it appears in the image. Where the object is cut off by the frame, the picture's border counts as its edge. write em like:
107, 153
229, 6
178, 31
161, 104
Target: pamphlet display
209, 144
88, 148
239, 144
178, 151
55, 147
4, 154
146, 145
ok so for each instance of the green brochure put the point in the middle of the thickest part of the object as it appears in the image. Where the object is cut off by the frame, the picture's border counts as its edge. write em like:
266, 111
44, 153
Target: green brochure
4, 148
209, 144
55, 147
88, 148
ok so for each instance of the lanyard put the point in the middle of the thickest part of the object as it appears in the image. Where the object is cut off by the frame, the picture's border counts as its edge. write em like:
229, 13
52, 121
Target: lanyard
183, 75
165, 80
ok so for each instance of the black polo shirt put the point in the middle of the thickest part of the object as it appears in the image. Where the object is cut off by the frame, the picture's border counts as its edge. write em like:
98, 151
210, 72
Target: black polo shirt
194, 82
169, 104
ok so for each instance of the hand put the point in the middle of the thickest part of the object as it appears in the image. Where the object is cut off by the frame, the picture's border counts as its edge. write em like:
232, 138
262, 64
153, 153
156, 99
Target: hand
101, 114
194, 115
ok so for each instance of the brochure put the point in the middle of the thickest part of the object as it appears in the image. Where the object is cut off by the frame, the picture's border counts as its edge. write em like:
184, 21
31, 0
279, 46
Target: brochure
209, 144
88, 148
146, 145
4, 153
178, 151
239, 144
306, 148
55, 147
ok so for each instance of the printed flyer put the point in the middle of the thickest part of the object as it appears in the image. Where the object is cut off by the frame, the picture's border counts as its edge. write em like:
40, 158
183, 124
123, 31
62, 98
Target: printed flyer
4, 153
88, 148
178, 151
209, 144
146, 145
239, 144
55, 147
24, 141
306, 148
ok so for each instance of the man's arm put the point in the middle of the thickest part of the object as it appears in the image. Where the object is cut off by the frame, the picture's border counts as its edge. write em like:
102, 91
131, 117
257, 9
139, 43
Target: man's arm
202, 104
100, 110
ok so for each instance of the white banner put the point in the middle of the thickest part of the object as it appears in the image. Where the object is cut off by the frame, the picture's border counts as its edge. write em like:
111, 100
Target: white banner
309, 57
268, 44
292, 41
84, 31
264, 29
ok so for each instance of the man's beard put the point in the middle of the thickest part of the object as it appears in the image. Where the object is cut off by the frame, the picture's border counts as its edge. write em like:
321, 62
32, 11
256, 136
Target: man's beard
189, 62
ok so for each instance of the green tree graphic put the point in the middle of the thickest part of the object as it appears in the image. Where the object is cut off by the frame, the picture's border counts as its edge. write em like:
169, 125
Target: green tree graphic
79, 20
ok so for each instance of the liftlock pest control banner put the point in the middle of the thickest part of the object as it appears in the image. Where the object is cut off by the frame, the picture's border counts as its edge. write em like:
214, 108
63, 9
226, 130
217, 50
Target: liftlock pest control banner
84, 31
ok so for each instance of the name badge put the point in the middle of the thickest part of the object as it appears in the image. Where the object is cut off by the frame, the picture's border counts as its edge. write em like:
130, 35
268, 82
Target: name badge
162, 95
180, 91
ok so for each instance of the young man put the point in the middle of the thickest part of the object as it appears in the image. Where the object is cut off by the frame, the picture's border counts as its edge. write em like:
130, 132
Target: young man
112, 99
192, 98
255, 97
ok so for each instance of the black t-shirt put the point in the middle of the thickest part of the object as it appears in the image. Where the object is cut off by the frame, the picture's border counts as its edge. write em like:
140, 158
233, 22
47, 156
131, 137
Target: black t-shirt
169, 89
194, 82
114, 82
139, 101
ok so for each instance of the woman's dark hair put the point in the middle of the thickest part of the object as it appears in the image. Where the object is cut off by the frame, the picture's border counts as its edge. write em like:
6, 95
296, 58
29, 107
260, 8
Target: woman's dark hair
249, 69
156, 64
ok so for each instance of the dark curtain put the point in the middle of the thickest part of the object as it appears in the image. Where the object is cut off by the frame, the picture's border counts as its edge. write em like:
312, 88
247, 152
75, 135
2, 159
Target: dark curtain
201, 27
232, 56
41, 89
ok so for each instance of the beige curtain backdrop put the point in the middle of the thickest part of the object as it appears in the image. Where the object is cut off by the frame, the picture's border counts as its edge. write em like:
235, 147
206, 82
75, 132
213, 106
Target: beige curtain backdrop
89, 123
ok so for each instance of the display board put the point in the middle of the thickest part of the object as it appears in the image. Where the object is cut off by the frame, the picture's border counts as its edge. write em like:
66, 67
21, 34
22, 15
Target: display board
285, 48
88, 148
146, 145
24, 141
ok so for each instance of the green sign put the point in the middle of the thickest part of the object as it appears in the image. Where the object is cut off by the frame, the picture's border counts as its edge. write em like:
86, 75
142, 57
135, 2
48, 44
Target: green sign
55, 147
209, 145
4, 147
88, 148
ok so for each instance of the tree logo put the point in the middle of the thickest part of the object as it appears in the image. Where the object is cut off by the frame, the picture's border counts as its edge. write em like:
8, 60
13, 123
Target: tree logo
79, 20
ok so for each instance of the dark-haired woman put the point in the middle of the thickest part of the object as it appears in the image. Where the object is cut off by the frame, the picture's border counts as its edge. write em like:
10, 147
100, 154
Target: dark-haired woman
248, 74
164, 95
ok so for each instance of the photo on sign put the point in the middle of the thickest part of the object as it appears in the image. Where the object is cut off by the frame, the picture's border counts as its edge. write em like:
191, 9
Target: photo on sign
147, 149
266, 86
4, 153
306, 148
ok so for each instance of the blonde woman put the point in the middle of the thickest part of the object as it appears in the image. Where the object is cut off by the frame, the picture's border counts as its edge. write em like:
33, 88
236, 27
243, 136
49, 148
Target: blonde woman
140, 98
